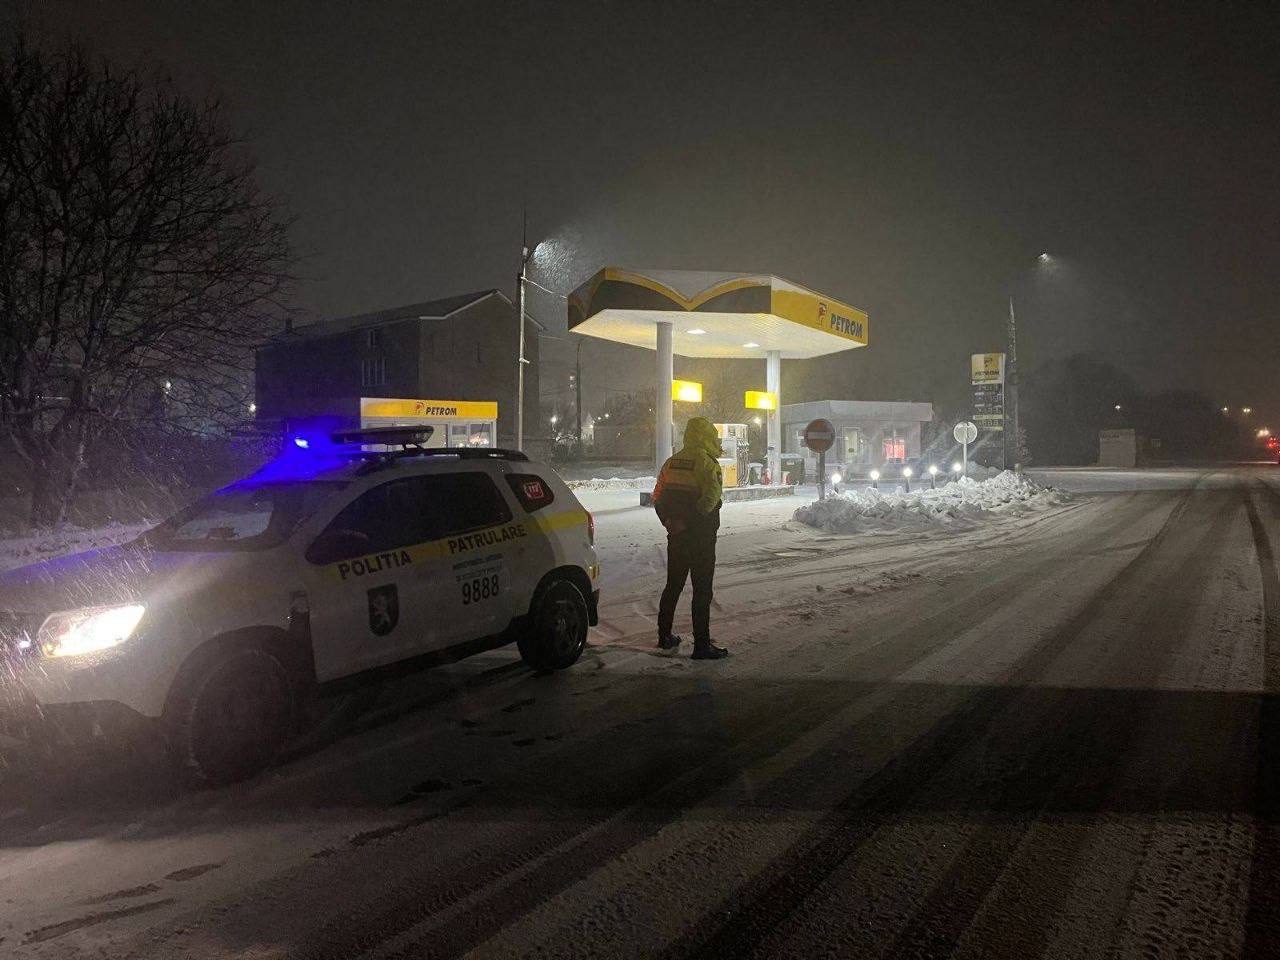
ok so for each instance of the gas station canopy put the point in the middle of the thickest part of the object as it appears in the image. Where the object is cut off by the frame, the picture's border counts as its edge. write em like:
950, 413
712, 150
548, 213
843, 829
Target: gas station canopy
736, 315
726, 315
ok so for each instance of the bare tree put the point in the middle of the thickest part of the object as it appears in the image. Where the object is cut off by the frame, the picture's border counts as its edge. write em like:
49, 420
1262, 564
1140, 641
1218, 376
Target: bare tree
139, 263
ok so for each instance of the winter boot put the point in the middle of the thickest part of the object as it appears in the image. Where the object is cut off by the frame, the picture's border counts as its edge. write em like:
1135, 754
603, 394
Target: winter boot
669, 642
706, 650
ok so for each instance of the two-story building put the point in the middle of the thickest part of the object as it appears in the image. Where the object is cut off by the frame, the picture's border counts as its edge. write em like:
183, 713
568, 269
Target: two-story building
446, 363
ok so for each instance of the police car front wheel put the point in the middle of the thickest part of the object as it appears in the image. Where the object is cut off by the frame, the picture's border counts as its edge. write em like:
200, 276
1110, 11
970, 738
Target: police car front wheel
557, 632
234, 718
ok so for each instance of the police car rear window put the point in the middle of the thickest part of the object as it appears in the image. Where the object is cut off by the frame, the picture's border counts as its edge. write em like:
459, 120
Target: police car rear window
531, 490
408, 511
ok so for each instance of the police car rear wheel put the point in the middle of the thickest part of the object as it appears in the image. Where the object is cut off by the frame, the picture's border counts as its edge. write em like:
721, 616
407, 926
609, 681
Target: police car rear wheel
235, 719
558, 631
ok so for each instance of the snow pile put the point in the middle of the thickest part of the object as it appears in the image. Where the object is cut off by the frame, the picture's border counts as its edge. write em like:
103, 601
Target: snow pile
866, 508
613, 483
20, 549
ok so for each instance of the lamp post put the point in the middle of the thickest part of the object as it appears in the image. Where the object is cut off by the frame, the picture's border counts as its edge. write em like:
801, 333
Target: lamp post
520, 357
1011, 382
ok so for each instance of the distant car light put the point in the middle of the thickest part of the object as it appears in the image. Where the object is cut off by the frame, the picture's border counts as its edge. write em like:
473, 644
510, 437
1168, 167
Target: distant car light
70, 633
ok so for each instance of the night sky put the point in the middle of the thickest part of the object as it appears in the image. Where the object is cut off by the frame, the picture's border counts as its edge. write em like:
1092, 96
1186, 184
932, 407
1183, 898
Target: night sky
910, 159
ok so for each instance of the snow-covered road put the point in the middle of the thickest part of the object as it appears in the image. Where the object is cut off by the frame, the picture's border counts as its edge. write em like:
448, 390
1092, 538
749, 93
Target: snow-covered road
1051, 734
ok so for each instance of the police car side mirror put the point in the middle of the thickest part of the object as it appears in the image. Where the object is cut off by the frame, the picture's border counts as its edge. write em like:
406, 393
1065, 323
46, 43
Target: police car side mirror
334, 545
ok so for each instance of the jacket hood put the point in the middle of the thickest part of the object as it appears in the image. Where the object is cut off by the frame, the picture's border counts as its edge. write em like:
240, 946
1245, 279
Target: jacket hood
700, 434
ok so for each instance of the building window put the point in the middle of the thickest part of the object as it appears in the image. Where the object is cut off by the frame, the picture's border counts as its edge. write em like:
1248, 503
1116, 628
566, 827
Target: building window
373, 339
373, 371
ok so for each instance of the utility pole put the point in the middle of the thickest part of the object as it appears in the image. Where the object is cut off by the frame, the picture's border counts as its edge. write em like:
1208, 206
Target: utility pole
577, 386
1011, 453
520, 359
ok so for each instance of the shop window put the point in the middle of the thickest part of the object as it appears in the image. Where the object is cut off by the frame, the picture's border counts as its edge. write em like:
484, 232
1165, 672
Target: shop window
373, 371
855, 445
895, 448
480, 435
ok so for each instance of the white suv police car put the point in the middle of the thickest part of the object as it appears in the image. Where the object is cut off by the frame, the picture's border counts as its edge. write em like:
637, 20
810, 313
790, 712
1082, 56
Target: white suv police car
340, 561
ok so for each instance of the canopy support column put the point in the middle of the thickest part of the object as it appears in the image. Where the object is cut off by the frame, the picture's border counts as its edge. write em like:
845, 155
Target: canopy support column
773, 437
662, 408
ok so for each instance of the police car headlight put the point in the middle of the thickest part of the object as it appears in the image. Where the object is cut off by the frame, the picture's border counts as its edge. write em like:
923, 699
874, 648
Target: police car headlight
70, 633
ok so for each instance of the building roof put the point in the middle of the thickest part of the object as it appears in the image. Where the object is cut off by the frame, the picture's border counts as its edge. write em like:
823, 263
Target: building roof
428, 310
857, 410
715, 314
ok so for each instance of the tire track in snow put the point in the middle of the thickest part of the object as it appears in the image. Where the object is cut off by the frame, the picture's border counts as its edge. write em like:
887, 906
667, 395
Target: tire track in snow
579, 847
1262, 922
760, 907
1088, 750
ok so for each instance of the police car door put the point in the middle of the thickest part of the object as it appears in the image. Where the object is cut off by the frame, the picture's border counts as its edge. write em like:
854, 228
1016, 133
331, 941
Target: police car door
371, 591
479, 557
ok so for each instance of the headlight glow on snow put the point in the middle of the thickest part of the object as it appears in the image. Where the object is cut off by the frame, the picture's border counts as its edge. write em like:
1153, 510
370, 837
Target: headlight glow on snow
71, 633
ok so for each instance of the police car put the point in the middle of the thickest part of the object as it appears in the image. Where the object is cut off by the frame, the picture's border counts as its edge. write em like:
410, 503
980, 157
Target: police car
358, 553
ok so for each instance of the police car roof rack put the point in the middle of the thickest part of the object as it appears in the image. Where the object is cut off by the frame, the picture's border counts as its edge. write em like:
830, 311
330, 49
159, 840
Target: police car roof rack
406, 437
408, 442
377, 460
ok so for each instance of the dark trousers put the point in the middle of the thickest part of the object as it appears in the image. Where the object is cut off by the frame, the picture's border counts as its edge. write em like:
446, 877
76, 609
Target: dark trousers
689, 554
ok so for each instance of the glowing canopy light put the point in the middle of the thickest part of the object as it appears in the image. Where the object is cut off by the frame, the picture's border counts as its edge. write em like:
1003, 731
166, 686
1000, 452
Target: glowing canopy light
689, 391
760, 400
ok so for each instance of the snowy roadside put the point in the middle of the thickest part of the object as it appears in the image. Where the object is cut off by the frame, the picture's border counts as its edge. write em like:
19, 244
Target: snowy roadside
868, 509
613, 483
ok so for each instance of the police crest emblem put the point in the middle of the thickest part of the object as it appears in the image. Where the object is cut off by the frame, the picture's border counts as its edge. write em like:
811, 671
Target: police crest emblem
384, 609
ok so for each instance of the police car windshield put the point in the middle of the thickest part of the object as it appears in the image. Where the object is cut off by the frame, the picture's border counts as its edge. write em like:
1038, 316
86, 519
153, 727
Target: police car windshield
242, 517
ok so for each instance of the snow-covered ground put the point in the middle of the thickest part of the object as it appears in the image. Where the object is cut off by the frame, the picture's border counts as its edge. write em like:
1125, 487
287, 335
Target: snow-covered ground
613, 483
858, 509
1033, 735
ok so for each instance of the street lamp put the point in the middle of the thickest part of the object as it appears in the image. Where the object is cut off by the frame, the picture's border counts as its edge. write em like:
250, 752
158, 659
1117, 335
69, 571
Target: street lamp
1011, 379
526, 254
875, 478
933, 476
906, 475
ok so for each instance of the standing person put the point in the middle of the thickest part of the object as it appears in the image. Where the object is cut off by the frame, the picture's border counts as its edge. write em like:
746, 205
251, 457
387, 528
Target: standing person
687, 498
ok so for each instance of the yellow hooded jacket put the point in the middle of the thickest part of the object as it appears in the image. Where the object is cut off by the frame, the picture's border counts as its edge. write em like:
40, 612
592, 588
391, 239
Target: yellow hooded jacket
688, 493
